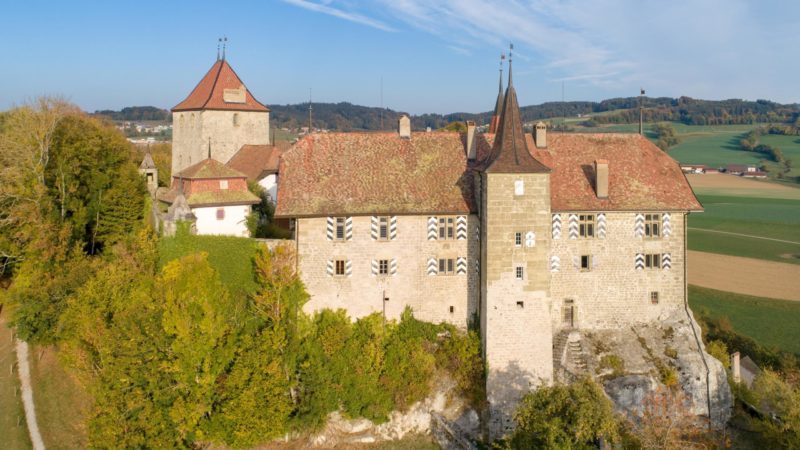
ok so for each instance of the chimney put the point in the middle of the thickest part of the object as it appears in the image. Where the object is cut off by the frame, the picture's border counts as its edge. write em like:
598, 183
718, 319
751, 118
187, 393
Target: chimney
472, 145
736, 368
540, 136
404, 126
601, 178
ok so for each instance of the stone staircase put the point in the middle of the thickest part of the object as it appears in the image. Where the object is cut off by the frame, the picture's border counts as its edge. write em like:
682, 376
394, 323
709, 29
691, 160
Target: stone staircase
569, 358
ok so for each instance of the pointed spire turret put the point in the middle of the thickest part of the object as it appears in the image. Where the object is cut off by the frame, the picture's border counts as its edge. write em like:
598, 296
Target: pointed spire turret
510, 152
498, 107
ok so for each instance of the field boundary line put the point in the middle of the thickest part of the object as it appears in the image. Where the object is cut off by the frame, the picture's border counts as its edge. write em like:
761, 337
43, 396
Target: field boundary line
24, 371
744, 235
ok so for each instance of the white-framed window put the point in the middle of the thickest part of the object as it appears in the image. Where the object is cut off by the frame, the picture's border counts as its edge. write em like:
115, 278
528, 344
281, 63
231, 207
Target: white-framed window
383, 267
220, 213
340, 226
586, 263
519, 187
383, 228
652, 261
568, 313
447, 227
519, 272
447, 266
654, 297
652, 226
518, 239
340, 267
586, 225
223, 184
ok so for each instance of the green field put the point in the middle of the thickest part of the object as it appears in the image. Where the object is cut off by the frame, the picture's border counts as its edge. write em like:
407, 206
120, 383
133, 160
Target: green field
230, 256
789, 145
767, 321
13, 431
765, 217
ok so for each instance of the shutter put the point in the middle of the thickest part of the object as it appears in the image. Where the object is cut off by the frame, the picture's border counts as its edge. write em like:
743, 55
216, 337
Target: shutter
373, 228
530, 239
329, 269
461, 265
374, 267
638, 263
666, 261
433, 266
348, 268
573, 226
393, 227
348, 228
461, 228
329, 228
555, 263
433, 231
638, 226
393, 267
556, 226
601, 225
666, 227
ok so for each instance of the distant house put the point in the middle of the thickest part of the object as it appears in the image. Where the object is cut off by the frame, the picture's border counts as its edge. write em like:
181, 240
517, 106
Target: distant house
712, 170
217, 196
694, 168
260, 164
738, 169
754, 174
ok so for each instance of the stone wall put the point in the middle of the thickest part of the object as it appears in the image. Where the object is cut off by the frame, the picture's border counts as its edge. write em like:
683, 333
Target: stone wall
192, 130
613, 293
516, 317
362, 293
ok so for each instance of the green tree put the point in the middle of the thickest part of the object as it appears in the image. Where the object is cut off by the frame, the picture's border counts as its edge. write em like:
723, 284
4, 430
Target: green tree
574, 416
666, 135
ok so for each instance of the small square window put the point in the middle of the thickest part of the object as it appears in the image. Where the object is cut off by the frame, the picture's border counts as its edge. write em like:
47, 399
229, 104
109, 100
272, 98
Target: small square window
654, 297
383, 228
586, 225
520, 304
652, 261
223, 184
520, 272
518, 239
652, 225
447, 227
586, 262
220, 213
446, 266
383, 267
339, 267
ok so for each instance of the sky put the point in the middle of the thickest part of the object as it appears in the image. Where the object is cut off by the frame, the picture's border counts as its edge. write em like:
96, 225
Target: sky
415, 56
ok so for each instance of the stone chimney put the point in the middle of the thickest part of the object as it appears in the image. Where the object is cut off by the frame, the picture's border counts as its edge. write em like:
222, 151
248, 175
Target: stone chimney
601, 178
472, 145
540, 135
404, 126
736, 369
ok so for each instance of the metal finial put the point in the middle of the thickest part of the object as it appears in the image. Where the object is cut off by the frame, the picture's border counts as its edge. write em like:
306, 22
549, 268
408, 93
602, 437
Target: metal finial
224, 44
219, 41
510, 57
209, 148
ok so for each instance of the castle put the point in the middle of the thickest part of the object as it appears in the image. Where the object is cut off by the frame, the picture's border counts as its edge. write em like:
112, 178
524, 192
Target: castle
533, 234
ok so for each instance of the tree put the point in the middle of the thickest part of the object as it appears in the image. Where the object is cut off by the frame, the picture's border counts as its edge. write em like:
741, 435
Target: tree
780, 402
574, 416
666, 135
666, 422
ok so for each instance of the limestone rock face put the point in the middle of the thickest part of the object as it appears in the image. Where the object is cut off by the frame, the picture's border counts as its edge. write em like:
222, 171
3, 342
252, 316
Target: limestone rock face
633, 362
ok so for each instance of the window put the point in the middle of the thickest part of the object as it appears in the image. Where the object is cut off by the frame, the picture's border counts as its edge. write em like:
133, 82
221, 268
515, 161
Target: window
519, 187
223, 184
383, 267
339, 267
652, 225
383, 228
654, 297
447, 227
447, 266
586, 225
220, 213
518, 239
340, 228
586, 263
520, 272
236, 119
568, 313
652, 261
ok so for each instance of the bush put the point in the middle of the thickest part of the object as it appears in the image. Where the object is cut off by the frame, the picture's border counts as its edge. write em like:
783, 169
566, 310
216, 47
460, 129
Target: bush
719, 350
613, 362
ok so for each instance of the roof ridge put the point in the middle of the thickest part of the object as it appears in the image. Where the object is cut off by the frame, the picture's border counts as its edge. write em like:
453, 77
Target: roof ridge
213, 85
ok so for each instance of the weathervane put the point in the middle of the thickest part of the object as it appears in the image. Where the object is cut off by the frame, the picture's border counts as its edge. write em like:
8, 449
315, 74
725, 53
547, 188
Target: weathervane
219, 42
224, 44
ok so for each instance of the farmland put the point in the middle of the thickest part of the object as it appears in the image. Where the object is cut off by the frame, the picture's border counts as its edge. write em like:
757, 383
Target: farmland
769, 322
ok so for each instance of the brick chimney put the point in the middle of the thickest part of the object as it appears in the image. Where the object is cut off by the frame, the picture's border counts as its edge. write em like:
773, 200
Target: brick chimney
472, 145
540, 135
601, 178
404, 126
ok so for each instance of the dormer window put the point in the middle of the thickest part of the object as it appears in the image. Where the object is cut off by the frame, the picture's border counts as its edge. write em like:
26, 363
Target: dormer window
519, 187
223, 184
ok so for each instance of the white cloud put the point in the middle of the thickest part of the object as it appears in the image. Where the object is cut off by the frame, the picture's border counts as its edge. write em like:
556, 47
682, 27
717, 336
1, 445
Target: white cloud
325, 8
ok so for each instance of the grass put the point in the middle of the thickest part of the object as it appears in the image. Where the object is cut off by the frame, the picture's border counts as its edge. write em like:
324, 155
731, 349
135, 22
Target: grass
61, 403
766, 217
230, 256
790, 147
13, 431
769, 322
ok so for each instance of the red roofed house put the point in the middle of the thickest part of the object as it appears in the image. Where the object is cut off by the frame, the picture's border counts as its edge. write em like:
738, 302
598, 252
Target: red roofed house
216, 195
541, 237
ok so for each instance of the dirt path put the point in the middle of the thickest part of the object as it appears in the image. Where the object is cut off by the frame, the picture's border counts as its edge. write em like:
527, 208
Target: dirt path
744, 275
27, 394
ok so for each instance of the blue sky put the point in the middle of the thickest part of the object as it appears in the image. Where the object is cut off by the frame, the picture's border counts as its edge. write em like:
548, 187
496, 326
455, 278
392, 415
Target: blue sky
433, 56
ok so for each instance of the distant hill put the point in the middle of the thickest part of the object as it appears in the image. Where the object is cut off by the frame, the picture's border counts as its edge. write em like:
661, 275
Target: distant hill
346, 116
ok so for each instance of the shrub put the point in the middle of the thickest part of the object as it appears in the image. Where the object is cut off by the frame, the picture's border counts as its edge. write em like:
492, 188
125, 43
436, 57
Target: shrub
719, 350
613, 362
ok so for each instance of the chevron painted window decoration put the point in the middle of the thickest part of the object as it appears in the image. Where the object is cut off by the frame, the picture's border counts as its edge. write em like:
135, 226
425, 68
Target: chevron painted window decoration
530, 239
601, 225
666, 226
461, 228
556, 222
638, 225
339, 267
638, 262
384, 267
433, 228
433, 267
339, 228
461, 266
573, 226
555, 263
383, 228
666, 261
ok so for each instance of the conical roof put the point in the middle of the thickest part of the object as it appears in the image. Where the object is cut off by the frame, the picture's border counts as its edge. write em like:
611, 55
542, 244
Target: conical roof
510, 152
210, 92
147, 162
498, 107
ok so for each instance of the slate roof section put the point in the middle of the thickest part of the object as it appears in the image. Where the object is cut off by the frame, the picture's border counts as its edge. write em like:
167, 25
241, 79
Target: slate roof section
147, 162
208, 169
256, 161
641, 177
375, 173
209, 92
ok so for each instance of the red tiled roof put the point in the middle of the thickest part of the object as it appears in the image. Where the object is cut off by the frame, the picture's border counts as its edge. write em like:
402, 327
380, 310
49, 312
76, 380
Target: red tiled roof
256, 161
208, 168
641, 177
212, 198
371, 173
209, 92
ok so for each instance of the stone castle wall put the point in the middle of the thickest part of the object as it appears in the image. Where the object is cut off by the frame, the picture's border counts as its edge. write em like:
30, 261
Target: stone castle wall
516, 318
362, 293
192, 130
613, 293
